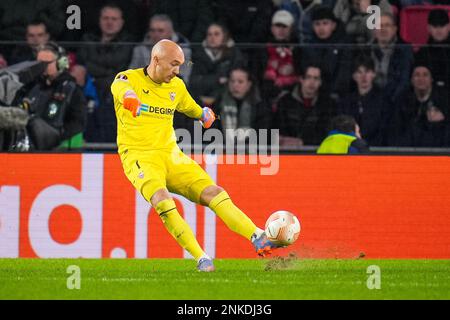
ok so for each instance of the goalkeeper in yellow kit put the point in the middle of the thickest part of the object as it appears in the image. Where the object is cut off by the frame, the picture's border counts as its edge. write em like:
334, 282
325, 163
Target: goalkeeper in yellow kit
145, 100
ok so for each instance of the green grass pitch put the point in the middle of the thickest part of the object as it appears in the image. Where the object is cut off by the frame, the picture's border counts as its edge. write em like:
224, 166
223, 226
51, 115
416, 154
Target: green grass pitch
278, 279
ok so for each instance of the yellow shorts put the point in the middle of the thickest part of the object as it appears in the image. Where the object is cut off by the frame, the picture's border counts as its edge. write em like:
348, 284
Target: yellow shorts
152, 170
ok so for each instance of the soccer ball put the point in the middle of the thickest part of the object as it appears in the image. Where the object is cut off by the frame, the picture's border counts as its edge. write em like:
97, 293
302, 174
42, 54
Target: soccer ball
282, 228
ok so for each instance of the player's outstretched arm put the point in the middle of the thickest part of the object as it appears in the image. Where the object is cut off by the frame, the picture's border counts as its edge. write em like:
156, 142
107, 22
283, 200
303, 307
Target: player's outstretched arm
189, 107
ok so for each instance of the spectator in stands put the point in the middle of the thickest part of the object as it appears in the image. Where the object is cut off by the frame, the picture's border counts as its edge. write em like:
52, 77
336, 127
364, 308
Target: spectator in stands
36, 35
103, 60
301, 10
431, 129
354, 15
213, 62
424, 113
276, 65
247, 20
135, 16
106, 58
190, 18
344, 137
161, 27
240, 105
393, 59
334, 60
55, 102
302, 115
436, 53
366, 103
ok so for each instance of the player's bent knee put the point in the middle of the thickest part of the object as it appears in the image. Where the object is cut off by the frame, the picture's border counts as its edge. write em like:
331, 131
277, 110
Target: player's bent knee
215, 190
160, 195
210, 193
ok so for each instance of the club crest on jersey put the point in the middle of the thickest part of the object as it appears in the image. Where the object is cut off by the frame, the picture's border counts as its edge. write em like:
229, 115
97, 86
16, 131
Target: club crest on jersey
172, 95
122, 77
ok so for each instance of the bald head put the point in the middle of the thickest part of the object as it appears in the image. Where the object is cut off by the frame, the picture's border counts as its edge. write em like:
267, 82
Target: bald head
165, 47
166, 59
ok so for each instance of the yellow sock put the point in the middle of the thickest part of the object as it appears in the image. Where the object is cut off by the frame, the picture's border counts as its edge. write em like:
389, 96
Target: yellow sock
233, 217
178, 228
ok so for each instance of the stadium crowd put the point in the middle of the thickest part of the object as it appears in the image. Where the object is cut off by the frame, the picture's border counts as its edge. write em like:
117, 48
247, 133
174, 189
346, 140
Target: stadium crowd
293, 65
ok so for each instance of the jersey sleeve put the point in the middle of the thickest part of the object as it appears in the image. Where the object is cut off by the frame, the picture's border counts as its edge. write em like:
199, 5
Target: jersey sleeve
120, 85
187, 104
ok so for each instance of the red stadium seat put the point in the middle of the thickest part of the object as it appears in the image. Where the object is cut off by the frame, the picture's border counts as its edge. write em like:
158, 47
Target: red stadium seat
413, 23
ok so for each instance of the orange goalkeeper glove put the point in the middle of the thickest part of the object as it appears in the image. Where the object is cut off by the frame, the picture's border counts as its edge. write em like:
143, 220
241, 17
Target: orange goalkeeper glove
132, 103
208, 118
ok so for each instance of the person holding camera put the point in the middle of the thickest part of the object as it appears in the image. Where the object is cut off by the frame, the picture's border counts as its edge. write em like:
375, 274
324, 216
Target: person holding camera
55, 103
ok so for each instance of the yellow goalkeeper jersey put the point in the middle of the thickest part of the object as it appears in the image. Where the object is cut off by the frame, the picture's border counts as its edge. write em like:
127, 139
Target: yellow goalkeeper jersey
153, 129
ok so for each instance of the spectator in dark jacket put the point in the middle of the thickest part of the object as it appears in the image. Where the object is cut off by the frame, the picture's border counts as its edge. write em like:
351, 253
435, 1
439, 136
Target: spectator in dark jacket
240, 105
432, 129
393, 59
191, 18
106, 58
135, 16
36, 35
423, 112
213, 62
276, 65
365, 103
436, 53
302, 115
103, 61
334, 61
